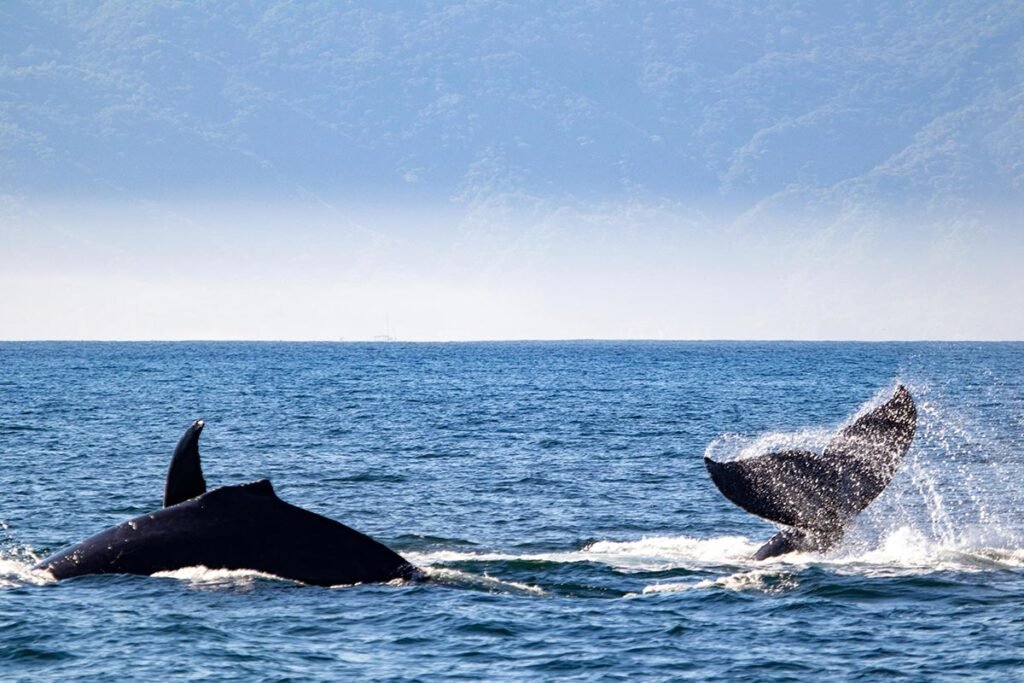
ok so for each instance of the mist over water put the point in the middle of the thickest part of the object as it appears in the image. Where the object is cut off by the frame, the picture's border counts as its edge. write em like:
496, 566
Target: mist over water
554, 495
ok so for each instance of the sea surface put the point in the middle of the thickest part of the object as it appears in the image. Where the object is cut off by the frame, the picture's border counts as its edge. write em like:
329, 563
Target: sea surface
554, 495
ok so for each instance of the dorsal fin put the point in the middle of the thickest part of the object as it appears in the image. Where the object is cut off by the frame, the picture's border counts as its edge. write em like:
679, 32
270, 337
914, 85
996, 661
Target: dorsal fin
185, 475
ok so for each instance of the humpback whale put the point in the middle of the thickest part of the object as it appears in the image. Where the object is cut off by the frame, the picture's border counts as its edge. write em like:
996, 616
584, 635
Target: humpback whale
233, 527
816, 495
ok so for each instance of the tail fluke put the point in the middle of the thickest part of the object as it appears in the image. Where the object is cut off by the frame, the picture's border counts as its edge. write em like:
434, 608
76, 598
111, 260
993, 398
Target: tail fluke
819, 494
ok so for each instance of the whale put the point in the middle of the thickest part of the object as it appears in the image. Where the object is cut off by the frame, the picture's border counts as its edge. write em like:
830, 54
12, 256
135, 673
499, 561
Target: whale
815, 496
241, 527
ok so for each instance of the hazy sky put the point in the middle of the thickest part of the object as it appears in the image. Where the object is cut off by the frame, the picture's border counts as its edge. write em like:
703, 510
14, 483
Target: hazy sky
489, 170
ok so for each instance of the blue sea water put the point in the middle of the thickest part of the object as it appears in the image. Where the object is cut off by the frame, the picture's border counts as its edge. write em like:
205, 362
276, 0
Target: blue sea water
553, 493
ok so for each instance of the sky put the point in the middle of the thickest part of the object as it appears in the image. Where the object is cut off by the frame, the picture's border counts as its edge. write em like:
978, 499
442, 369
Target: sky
487, 170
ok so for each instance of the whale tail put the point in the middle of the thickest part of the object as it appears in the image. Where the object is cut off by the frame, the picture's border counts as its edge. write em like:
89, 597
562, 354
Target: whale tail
818, 494
185, 475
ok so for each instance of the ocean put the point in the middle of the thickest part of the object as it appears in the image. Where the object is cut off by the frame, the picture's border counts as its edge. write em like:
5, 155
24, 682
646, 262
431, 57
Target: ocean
553, 493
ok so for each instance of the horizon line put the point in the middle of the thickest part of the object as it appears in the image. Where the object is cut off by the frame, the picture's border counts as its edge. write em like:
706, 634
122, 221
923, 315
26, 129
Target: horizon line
567, 340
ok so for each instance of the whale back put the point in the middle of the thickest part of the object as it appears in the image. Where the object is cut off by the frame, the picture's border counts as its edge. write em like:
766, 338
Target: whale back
821, 492
235, 527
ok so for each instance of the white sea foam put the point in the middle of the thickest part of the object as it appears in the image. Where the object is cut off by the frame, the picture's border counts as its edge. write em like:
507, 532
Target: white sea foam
200, 576
904, 547
654, 553
17, 562
16, 572
908, 550
480, 581
755, 580
902, 552
203, 577
657, 553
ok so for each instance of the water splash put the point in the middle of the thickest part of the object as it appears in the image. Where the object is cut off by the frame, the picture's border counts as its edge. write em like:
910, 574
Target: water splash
728, 447
959, 486
731, 446
17, 562
18, 573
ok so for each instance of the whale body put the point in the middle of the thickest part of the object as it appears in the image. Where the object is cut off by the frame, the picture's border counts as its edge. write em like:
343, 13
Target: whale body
232, 527
817, 495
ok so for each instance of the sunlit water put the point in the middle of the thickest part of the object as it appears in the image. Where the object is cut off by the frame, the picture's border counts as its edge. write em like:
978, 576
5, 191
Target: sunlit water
553, 493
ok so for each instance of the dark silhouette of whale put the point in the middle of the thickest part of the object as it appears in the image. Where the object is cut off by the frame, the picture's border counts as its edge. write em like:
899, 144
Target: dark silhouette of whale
232, 527
817, 495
